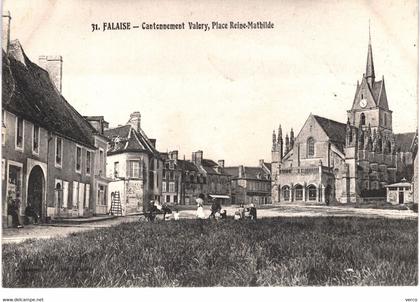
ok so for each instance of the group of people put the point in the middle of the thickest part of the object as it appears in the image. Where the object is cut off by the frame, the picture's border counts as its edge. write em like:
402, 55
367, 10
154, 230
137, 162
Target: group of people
13, 206
218, 213
156, 208
246, 213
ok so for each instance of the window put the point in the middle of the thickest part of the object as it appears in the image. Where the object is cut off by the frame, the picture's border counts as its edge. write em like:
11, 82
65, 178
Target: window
78, 159
102, 195
362, 119
171, 187
299, 192
88, 162
312, 192
19, 133
164, 173
168, 198
58, 194
58, 151
116, 169
164, 187
311, 146
134, 169
385, 121
175, 199
101, 161
35, 139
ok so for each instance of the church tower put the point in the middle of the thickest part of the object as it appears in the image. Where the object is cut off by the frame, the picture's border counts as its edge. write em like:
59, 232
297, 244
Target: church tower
370, 104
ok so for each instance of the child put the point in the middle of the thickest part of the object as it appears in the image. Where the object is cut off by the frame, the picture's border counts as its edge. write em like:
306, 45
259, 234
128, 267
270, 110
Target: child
237, 215
176, 214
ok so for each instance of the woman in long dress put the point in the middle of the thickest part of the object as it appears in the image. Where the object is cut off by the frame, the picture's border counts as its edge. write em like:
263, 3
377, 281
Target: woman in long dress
200, 210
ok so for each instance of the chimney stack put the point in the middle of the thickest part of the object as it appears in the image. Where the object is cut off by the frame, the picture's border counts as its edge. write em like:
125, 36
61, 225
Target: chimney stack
261, 163
221, 163
241, 171
197, 157
153, 141
135, 120
5, 41
54, 66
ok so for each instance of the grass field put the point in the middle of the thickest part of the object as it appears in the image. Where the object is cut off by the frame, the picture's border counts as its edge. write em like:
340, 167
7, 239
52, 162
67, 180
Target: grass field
269, 252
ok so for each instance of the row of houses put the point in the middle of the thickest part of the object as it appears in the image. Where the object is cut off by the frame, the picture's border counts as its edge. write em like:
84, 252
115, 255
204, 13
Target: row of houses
68, 165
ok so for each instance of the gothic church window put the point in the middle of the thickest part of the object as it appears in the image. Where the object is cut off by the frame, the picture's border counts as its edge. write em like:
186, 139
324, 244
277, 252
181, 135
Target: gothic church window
299, 192
312, 192
362, 119
286, 193
311, 146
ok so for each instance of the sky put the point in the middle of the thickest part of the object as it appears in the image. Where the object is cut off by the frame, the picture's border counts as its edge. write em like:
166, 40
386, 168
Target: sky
224, 91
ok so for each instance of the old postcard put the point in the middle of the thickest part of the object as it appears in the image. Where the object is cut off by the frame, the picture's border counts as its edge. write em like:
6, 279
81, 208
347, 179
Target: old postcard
252, 147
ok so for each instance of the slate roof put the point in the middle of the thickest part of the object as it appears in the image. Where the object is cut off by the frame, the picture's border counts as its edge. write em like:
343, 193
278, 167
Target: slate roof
404, 141
127, 139
250, 172
28, 92
187, 165
336, 131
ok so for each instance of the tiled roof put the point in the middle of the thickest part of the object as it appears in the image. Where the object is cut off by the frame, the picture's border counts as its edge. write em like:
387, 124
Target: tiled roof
404, 141
28, 92
127, 139
336, 131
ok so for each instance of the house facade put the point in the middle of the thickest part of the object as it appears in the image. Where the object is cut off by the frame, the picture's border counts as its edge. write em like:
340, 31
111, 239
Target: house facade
49, 150
251, 184
134, 165
329, 161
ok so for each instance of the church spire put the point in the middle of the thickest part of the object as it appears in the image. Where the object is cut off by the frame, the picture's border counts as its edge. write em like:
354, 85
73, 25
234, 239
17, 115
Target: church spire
370, 70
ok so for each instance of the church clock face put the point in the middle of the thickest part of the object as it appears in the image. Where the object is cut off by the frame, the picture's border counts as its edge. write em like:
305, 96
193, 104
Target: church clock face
363, 103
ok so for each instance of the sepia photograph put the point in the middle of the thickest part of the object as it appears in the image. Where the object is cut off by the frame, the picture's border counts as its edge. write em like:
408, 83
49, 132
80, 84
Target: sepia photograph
250, 147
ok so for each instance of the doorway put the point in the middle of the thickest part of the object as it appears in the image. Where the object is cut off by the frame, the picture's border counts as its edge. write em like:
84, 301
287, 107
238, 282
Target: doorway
401, 197
36, 185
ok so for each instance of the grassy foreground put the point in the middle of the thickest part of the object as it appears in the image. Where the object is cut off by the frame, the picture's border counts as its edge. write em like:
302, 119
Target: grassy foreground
269, 252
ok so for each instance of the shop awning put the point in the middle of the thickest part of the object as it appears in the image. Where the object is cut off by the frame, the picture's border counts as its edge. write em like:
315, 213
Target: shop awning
220, 196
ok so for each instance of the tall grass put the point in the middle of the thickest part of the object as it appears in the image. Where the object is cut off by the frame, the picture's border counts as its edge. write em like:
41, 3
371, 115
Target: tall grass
269, 252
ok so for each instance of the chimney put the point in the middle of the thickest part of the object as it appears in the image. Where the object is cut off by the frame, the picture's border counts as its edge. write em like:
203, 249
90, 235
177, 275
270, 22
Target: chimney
54, 66
5, 41
153, 141
261, 163
221, 163
241, 171
197, 157
174, 155
135, 119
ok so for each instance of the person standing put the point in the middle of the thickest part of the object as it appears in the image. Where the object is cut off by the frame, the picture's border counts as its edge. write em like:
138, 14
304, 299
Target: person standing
253, 212
13, 205
200, 210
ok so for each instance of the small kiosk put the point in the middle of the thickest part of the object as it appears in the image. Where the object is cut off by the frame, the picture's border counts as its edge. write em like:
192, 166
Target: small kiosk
399, 193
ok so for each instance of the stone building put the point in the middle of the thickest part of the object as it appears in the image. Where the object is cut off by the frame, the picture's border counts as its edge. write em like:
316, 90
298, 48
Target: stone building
50, 153
216, 182
329, 161
251, 184
134, 165
182, 182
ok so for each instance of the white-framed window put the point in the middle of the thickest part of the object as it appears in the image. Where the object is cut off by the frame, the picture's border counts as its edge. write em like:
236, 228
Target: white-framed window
116, 169
65, 193
102, 195
87, 199
134, 169
35, 139
164, 187
58, 152
78, 159
171, 187
88, 162
75, 194
20, 134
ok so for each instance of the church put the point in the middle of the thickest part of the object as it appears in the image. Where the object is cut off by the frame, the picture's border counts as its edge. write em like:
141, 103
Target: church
330, 161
